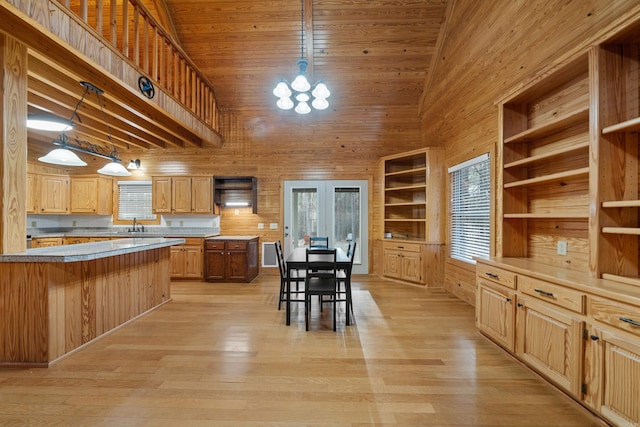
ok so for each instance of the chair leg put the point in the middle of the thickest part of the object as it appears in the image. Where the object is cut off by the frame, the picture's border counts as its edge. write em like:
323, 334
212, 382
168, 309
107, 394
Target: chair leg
335, 310
281, 297
307, 309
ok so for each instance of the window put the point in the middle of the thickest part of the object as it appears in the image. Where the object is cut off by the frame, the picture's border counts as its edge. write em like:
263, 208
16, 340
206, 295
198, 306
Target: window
469, 221
134, 201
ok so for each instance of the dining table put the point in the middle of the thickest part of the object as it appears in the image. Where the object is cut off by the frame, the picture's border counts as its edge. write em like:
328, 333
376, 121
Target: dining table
297, 260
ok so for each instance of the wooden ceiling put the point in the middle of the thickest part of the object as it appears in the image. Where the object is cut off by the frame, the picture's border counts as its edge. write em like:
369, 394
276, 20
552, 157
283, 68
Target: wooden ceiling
370, 53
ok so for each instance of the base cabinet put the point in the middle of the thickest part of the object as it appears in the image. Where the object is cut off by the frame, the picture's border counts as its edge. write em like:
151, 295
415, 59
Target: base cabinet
231, 260
403, 261
186, 260
574, 332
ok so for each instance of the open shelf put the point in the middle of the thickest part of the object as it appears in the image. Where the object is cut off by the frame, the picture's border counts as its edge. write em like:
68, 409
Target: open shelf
551, 127
628, 280
549, 178
548, 156
632, 125
407, 172
621, 204
553, 215
635, 231
406, 187
405, 204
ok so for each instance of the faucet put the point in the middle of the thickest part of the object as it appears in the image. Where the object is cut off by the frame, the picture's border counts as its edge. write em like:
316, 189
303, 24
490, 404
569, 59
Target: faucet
135, 228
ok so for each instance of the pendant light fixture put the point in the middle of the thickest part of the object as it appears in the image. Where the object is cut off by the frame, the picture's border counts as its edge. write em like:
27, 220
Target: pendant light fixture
300, 93
64, 156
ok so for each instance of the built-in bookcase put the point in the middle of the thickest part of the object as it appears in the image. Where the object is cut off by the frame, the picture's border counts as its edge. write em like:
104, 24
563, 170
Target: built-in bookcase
544, 154
615, 157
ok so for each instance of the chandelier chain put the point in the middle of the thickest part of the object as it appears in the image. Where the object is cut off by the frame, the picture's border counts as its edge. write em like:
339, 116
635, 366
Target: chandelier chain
301, 28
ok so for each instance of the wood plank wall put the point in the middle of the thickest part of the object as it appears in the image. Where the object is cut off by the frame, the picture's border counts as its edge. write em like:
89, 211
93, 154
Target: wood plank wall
490, 48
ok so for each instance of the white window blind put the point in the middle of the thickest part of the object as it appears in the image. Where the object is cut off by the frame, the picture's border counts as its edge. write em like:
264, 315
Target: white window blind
134, 200
469, 222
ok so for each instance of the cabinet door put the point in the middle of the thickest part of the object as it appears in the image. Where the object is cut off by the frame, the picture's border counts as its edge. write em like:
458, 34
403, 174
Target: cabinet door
412, 267
54, 194
84, 195
392, 264
620, 379
161, 194
550, 341
215, 265
495, 313
236, 265
178, 262
181, 194
193, 262
202, 195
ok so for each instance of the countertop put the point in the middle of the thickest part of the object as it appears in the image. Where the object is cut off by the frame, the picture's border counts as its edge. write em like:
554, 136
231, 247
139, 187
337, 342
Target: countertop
149, 232
91, 251
233, 238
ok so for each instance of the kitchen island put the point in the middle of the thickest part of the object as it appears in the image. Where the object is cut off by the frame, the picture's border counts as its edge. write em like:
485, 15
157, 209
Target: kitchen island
55, 300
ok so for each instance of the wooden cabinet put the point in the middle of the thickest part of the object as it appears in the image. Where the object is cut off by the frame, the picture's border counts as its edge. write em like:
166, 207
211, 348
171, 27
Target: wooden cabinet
413, 195
44, 242
32, 193
180, 194
231, 260
235, 191
495, 308
187, 260
91, 195
550, 341
54, 193
403, 261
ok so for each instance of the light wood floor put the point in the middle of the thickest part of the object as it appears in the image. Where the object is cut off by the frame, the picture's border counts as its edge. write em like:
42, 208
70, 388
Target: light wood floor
221, 355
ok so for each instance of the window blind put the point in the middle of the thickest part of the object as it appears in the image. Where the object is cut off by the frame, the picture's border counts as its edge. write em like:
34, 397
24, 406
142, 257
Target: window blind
469, 221
134, 200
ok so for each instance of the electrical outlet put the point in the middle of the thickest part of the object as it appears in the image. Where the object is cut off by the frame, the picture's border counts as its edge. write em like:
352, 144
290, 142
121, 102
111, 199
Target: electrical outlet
73, 223
562, 247
273, 226
34, 224
168, 223
261, 226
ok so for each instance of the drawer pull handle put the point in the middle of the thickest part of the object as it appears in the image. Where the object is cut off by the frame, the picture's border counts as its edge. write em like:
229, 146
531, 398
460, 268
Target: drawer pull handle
508, 299
545, 293
400, 247
595, 337
630, 321
493, 276
520, 305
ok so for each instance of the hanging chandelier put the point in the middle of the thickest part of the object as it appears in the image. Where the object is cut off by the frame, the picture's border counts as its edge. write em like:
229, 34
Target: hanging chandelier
65, 156
300, 93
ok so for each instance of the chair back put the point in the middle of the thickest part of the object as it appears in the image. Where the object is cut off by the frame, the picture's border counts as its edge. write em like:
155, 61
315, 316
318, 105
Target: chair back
351, 251
321, 263
282, 266
319, 242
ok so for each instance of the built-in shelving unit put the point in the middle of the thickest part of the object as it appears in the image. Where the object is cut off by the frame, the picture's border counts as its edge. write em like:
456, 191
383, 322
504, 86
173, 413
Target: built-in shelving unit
616, 253
544, 157
235, 192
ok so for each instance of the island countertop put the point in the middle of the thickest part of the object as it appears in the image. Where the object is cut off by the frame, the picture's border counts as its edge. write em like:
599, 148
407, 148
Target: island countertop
91, 251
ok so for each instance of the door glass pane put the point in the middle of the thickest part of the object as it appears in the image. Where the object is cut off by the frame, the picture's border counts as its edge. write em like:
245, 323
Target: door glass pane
304, 215
347, 219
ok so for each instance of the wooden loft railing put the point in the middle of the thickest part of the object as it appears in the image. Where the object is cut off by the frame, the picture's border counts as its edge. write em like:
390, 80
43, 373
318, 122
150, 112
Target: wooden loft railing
131, 29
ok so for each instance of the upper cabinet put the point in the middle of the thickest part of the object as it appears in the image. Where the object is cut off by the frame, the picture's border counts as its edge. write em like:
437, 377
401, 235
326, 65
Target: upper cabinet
181, 194
543, 150
53, 191
235, 191
91, 195
413, 195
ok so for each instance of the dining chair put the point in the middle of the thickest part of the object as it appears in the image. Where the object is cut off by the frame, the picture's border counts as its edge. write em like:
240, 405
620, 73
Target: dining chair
282, 266
319, 242
321, 279
344, 280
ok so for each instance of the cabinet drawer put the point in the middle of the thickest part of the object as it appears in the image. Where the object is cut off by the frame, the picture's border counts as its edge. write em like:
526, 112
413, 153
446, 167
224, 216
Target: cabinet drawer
214, 244
555, 294
622, 316
408, 247
498, 275
236, 246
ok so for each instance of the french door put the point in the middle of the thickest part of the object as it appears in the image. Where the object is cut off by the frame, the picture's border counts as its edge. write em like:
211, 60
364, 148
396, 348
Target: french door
336, 209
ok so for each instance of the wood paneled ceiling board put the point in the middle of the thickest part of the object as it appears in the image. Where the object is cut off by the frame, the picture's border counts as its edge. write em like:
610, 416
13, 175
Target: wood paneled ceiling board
370, 53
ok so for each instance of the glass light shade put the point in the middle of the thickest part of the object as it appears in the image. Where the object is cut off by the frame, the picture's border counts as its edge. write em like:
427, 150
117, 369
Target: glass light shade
282, 90
114, 169
303, 97
303, 108
48, 123
320, 104
301, 84
62, 157
134, 164
321, 91
285, 103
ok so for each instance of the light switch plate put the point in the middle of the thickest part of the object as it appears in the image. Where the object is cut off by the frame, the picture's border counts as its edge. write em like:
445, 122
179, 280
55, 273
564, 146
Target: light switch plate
260, 226
273, 226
